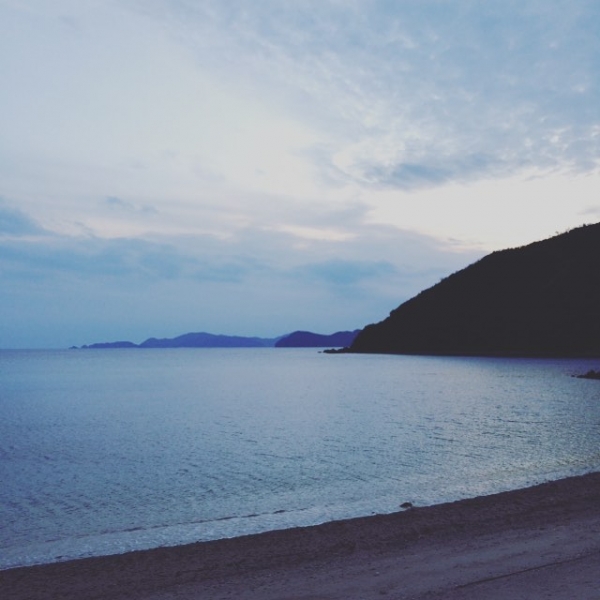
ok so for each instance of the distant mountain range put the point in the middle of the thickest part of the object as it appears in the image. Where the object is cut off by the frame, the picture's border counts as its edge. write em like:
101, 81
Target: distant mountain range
542, 300
297, 339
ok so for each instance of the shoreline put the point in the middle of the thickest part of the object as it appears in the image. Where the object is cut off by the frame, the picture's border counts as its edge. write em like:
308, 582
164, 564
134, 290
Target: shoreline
416, 553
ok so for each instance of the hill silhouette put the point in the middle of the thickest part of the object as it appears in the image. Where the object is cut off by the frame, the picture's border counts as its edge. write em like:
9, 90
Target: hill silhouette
541, 300
307, 339
208, 340
192, 340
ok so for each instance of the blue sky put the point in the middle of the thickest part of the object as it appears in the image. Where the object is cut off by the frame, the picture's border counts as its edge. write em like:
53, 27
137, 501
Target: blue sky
256, 167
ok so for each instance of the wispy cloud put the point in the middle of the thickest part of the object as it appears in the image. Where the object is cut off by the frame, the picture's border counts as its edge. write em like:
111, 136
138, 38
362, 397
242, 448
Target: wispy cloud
410, 96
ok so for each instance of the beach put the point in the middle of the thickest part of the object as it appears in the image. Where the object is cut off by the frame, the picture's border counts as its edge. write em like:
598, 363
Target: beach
538, 542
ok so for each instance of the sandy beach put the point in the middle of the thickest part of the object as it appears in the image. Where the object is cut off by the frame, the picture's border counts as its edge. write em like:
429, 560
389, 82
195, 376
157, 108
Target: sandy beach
539, 542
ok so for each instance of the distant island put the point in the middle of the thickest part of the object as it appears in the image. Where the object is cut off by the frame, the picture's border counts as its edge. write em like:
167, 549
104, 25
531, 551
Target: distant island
307, 339
539, 300
297, 339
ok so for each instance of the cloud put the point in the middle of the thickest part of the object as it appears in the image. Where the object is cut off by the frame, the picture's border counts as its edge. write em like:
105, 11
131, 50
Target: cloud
14, 222
126, 262
592, 210
347, 272
307, 101
407, 176
252, 256
63, 290
119, 203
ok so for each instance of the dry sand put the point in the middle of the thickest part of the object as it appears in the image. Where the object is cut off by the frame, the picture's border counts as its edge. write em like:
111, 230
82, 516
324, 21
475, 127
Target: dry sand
540, 542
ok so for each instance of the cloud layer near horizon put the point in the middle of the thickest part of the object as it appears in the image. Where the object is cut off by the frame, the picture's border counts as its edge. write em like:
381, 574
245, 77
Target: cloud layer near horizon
255, 167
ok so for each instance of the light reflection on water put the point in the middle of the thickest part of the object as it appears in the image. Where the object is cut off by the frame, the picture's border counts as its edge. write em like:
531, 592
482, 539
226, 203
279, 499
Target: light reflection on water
105, 451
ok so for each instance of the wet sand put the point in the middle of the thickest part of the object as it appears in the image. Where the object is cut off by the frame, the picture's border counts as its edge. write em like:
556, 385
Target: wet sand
539, 542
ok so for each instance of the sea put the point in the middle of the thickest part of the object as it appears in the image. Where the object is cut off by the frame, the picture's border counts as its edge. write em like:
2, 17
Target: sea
108, 451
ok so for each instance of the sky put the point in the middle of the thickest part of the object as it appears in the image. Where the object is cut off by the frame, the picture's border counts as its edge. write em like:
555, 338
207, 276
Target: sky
255, 167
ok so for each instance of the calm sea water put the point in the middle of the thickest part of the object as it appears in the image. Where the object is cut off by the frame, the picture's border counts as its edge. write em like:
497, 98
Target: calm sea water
105, 451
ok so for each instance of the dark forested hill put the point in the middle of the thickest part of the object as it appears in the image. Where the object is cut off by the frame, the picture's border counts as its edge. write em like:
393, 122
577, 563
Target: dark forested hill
542, 299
